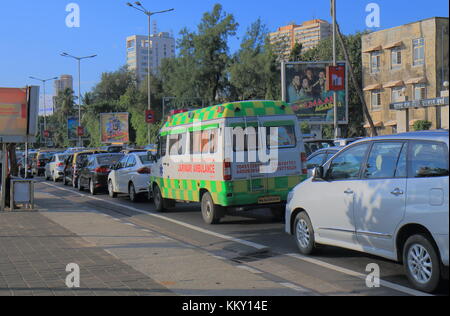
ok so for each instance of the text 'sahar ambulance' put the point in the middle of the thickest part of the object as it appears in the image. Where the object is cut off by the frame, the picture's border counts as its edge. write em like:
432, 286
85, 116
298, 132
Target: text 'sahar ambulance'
204, 156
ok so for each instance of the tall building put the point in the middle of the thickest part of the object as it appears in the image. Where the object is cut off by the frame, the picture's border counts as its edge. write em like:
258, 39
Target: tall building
404, 71
64, 82
309, 34
162, 45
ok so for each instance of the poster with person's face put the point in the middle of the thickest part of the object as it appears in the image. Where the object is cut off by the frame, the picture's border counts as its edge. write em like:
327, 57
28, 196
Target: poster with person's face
306, 91
114, 128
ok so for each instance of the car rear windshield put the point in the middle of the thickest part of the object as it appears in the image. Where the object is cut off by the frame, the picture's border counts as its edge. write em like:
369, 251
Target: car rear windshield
108, 160
144, 159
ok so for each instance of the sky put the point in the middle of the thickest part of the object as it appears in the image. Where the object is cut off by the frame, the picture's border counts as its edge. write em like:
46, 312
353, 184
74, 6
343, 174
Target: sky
33, 33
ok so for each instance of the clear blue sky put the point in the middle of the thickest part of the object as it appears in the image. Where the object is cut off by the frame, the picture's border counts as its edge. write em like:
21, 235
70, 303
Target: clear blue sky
33, 33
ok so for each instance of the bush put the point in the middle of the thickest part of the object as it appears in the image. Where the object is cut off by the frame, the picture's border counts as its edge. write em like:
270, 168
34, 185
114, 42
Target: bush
422, 125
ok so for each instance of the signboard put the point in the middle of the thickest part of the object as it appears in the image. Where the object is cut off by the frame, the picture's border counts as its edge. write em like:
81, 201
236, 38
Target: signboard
114, 128
46, 134
304, 87
18, 114
72, 126
150, 116
419, 103
335, 78
80, 131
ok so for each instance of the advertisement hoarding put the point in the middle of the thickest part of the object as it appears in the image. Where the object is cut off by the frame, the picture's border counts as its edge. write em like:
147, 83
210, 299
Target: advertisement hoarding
304, 88
114, 128
18, 114
72, 125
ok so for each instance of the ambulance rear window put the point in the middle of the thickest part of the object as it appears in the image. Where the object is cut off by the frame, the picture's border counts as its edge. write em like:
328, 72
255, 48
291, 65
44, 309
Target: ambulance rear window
281, 136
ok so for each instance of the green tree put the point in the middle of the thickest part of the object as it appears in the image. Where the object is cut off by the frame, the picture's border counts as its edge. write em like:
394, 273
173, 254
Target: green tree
422, 125
296, 52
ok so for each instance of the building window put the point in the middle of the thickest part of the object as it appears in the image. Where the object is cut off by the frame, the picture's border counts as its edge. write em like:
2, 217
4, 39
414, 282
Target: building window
418, 51
420, 91
398, 94
375, 61
396, 58
130, 44
376, 99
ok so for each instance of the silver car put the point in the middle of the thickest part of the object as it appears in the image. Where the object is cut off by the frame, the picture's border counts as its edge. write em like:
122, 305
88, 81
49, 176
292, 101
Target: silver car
54, 169
386, 196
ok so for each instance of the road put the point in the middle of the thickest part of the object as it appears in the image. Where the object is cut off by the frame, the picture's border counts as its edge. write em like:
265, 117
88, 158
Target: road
252, 241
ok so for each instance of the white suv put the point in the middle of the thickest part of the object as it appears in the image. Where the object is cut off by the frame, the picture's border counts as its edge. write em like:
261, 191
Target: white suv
386, 196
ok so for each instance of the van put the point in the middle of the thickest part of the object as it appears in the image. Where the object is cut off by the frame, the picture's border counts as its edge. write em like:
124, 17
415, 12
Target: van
234, 156
385, 196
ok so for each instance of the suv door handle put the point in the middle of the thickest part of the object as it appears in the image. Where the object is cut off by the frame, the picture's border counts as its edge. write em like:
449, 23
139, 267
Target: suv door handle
349, 191
397, 192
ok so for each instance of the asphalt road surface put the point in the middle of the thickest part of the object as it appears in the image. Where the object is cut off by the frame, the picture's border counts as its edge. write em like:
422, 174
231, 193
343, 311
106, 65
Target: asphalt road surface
253, 240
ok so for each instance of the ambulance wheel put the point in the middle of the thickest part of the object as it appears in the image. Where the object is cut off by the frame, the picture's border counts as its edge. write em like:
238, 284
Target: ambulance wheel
161, 204
211, 213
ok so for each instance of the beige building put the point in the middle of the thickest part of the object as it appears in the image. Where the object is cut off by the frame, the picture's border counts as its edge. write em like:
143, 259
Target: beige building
404, 71
309, 34
64, 82
162, 45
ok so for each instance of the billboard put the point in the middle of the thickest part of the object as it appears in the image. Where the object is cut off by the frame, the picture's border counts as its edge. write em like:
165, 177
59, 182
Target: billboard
72, 125
114, 128
18, 114
304, 88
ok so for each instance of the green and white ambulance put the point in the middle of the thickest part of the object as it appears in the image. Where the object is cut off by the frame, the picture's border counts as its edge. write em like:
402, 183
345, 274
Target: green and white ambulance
238, 156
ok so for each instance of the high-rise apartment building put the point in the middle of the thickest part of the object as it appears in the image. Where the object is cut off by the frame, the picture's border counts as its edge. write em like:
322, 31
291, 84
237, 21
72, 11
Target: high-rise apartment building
162, 45
64, 82
309, 34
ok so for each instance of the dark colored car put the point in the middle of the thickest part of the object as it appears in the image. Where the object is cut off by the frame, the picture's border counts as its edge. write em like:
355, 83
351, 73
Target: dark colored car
95, 170
73, 164
321, 156
21, 167
38, 165
313, 145
113, 148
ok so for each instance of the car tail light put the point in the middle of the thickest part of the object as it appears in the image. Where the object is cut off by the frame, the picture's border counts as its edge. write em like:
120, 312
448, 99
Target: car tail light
144, 170
227, 171
102, 170
39, 164
60, 164
304, 159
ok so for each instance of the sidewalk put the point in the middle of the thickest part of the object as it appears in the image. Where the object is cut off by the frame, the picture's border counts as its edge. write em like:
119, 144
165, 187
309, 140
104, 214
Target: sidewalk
34, 252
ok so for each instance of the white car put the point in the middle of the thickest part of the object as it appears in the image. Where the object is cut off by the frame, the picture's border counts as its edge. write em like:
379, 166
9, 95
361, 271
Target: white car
386, 196
130, 176
54, 169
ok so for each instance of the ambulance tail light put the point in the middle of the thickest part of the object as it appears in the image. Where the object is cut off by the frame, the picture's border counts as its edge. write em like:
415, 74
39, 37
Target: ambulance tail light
303, 159
227, 171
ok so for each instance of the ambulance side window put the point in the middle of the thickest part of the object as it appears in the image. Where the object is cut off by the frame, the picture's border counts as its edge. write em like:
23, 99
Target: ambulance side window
162, 146
177, 144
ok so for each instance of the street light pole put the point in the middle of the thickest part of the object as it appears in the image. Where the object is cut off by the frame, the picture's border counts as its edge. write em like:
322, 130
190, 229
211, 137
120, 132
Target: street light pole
333, 11
45, 101
138, 6
80, 144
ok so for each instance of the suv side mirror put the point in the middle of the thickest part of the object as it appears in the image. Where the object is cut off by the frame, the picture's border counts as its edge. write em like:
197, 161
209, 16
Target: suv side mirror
317, 173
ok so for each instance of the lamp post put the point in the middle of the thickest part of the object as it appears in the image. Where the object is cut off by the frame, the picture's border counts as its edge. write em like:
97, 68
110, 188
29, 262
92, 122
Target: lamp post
79, 87
45, 101
333, 13
138, 6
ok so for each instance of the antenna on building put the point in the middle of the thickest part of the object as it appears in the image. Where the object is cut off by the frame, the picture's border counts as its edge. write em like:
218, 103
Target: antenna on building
155, 28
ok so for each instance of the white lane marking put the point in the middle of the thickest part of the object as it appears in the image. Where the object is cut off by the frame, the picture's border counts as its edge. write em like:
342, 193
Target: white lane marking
362, 276
295, 287
201, 230
130, 224
250, 269
323, 264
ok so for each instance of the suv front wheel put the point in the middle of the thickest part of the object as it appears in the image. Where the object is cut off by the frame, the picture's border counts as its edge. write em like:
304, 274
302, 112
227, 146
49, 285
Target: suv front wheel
421, 263
304, 234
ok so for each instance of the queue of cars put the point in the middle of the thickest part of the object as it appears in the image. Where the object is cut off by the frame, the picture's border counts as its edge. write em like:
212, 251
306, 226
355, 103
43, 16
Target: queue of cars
386, 196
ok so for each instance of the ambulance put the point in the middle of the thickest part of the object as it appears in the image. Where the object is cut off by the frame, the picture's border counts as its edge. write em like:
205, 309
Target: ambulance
229, 157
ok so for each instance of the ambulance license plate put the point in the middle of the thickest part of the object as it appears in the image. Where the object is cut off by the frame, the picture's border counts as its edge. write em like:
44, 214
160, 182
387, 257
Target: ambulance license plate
269, 199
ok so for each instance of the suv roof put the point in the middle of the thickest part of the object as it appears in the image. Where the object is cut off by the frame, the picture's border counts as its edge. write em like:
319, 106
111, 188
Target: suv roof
440, 135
